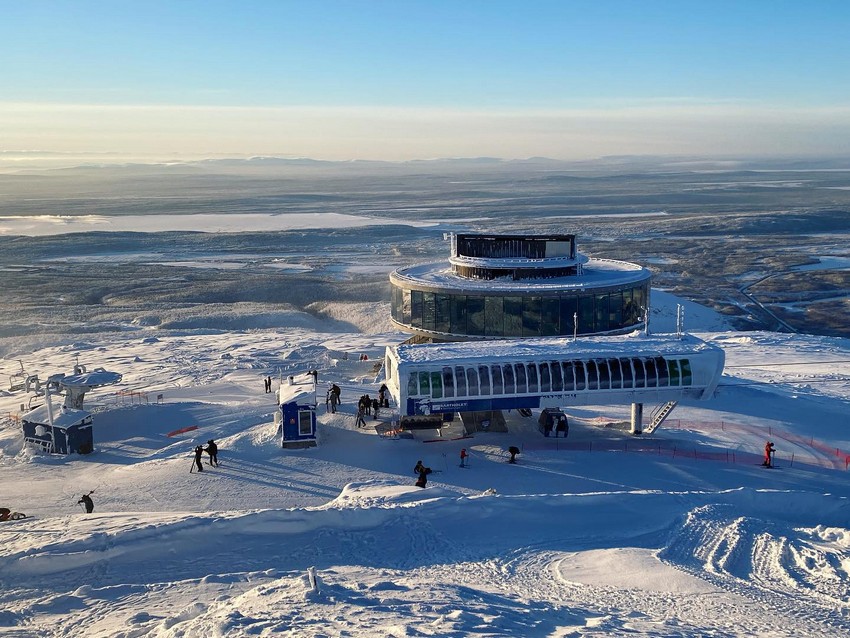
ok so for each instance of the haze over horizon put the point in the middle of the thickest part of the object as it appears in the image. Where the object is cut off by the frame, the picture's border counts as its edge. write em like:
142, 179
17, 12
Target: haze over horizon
343, 80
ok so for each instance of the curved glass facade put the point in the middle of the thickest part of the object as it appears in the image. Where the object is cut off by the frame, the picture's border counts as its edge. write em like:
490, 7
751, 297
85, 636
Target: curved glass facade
500, 315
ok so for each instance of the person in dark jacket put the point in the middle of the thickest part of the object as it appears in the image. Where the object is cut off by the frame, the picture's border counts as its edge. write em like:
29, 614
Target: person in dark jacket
421, 468
86, 500
212, 450
513, 451
422, 481
199, 451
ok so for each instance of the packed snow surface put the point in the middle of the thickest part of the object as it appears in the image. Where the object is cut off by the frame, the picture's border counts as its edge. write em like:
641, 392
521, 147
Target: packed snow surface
681, 533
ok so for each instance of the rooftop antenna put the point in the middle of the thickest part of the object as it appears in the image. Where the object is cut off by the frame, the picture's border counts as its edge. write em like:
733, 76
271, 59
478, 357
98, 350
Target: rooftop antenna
575, 325
680, 320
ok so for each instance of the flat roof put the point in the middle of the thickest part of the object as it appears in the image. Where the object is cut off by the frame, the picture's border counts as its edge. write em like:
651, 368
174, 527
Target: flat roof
62, 417
597, 273
542, 349
302, 389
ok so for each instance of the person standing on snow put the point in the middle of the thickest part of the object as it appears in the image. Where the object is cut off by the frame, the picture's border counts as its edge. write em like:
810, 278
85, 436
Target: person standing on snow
463, 457
212, 450
199, 450
769, 449
86, 500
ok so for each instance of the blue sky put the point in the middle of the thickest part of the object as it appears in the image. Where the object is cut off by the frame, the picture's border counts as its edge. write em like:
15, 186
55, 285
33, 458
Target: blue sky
580, 69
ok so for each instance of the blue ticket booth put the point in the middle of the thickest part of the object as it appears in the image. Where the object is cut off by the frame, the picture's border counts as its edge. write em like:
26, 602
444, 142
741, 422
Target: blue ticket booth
296, 415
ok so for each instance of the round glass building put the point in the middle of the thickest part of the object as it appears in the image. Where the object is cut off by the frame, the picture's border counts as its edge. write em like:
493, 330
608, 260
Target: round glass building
508, 286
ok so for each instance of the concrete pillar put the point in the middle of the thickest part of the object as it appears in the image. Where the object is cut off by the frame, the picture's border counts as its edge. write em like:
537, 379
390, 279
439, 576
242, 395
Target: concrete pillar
637, 418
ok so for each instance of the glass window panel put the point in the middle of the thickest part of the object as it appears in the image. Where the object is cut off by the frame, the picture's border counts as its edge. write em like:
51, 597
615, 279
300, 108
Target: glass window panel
661, 366
472, 381
443, 309
628, 373
550, 316
604, 374
687, 377
673, 372
531, 316
458, 314
521, 386
513, 316
484, 379
557, 377
616, 373
448, 382
545, 377
429, 311
460, 381
305, 422
405, 308
494, 317
531, 373
436, 385
498, 386
508, 377
580, 376
601, 314
640, 373
475, 315
592, 375
416, 308
585, 314
615, 310
569, 308
425, 384
413, 384
630, 313
651, 373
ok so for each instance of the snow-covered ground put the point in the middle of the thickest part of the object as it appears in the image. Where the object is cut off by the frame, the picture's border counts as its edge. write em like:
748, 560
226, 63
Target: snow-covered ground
680, 533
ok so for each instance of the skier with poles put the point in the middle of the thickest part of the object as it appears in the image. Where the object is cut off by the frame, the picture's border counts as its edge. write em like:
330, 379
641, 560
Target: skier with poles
87, 502
199, 451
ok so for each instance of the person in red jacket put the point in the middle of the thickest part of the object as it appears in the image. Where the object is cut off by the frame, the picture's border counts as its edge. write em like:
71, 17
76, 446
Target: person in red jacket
463, 457
769, 449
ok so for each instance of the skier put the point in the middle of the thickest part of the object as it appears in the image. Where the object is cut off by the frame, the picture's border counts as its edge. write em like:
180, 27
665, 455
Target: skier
513, 451
421, 468
86, 500
422, 481
463, 457
199, 450
769, 449
212, 450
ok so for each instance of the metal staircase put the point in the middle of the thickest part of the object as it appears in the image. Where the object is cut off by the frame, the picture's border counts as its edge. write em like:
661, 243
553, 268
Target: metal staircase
658, 415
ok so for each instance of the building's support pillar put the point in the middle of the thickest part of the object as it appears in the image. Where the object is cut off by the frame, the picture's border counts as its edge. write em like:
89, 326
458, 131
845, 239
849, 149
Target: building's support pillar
637, 418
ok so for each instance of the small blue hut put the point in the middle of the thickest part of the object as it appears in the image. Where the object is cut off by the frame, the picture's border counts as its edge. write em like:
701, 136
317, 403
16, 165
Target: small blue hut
65, 431
297, 414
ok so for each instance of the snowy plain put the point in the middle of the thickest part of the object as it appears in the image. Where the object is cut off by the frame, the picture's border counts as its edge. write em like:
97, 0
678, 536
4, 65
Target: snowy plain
679, 533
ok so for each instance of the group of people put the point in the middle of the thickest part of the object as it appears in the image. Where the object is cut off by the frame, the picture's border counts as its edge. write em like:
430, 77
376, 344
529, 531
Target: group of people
211, 449
268, 382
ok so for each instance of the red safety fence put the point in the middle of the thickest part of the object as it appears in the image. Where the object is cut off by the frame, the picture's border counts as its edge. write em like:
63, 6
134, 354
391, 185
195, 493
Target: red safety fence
816, 453
182, 430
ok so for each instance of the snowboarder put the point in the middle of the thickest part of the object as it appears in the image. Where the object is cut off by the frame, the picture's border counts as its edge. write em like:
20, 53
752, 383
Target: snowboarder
86, 500
513, 451
199, 450
769, 449
463, 457
421, 468
422, 481
212, 450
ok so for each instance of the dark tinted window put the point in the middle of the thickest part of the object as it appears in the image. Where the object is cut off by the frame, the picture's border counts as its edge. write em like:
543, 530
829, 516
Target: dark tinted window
460, 381
484, 379
496, 371
508, 374
521, 386
472, 382
448, 382
557, 378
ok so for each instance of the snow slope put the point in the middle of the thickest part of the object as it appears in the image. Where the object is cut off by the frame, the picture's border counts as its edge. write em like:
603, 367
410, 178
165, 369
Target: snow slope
677, 534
